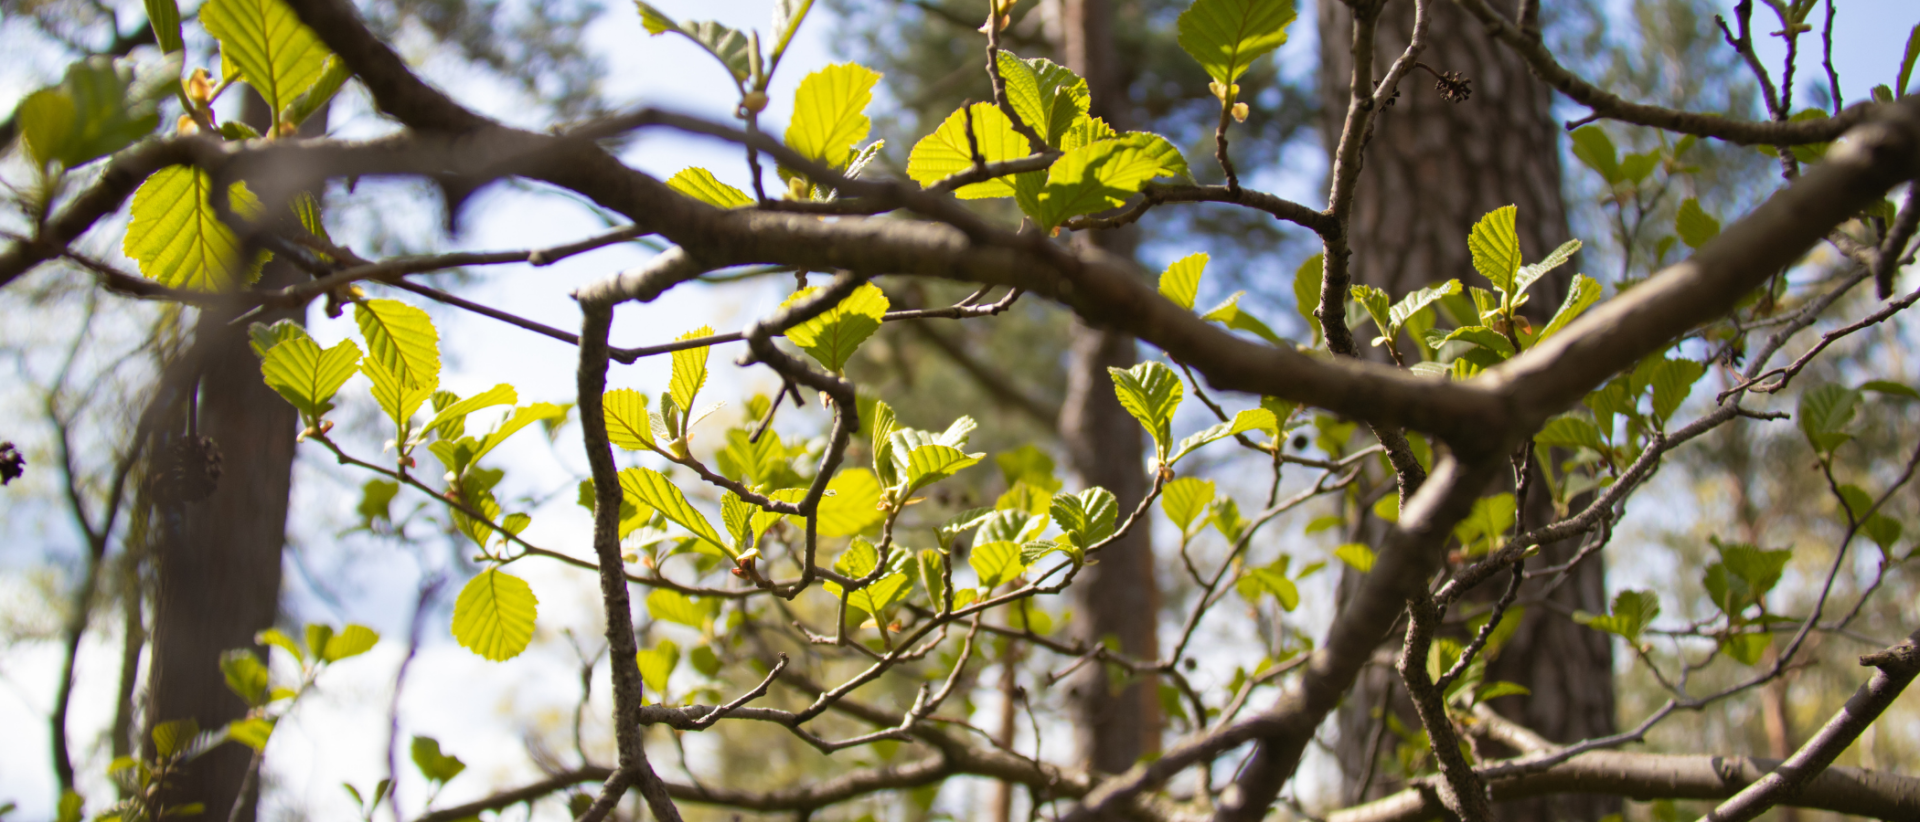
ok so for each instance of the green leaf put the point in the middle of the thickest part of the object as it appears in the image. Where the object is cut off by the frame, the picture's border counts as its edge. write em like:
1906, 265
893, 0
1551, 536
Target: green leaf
1672, 383
851, 504
1529, 274
832, 337
178, 239
521, 417
1694, 225
1229, 314
1748, 649
880, 434
278, 639
1907, 60
1891, 389
1592, 146
308, 376
253, 733
996, 563
1824, 411
396, 398
1151, 393
705, 661
1483, 337
436, 766
262, 337
494, 615
1086, 518
1048, 97
1632, 612
1377, 304
1496, 248
1098, 177
1185, 500
929, 464
376, 501
1569, 431
653, 489
1759, 569
700, 184
628, 424
1357, 555
787, 16
402, 339
673, 606
1274, 581
1413, 303
172, 738
728, 46
333, 76
246, 676
164, 17
1028, 464
1486, 526
450, 421
102, 105
689, 369
946, 151
277, 54
1500, 689
1306, 292
1085, 132
352, 641
657, 664
1180, 283
829, 113
1581, 295
1226, 36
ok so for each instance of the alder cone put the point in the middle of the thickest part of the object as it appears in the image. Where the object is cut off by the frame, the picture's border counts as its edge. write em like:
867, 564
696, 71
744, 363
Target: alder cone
188, 470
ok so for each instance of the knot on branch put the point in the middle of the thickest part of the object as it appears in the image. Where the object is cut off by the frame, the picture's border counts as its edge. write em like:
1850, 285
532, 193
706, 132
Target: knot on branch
1903, 658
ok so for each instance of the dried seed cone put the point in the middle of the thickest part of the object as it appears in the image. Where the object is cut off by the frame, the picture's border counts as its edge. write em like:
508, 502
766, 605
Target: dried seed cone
188, 470
12, 464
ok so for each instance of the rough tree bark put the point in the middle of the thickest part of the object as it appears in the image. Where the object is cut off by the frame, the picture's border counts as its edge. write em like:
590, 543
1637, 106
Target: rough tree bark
217, 575
1118, 596
1432, 169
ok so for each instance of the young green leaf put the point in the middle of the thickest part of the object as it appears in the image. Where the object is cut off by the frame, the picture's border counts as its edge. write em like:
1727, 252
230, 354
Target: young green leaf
1694, 225
1569, 430
1533, 272
1672, 383
829, 113
1180, 283
1593, 147
1496, 248
946, 151
1185, 501
1098, 177
1824, 411
333, 76
700, 184
1049, 98
628, 423
436, 766
673, 606
929, 464
831, 338
1306, 292
101, 106
1356, 555
402, 339
1377, 304
1030, 465
1085, 132
1483, 337
1632, 612
657, 664
1907, 60
246, 676
689, 369
653, 489
728, 46
308, 376
178, 239
394, 396
253, 733
351, 641
996, 563
1229, 314
277, 54
1581, 295
1087, 517
1747, 649
850, 506
1270, 580
1486, 526
1413, 303
787, 16
164, 17
494, 615
445, 419
521, 417
1226, 36
1151, 393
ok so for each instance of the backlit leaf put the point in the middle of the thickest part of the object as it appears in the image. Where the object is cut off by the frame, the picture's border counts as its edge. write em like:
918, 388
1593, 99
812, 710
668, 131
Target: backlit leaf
689, 369
929, 464
351, 641
1180, 283
829, 113
1496, 248
1581, 295
1048, 97
177, 238
277, 54
1151, 393
996, 563
434, 764
832, 337
1226, 36
1185, 500
700, 184
494, 615
657, 664
849, 508
1632, 612
656, 491
1694, 225
308, 376
946, 151
1087, 517
628, 424
402, 339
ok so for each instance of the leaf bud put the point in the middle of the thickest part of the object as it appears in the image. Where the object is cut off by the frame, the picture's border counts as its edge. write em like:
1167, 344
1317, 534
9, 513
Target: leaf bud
199, 86
185, 126
1240, 112
754, 103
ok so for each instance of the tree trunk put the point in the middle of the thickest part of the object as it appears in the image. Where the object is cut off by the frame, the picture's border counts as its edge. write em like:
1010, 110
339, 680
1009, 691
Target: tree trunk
217, 568
1117, 597
1433, 168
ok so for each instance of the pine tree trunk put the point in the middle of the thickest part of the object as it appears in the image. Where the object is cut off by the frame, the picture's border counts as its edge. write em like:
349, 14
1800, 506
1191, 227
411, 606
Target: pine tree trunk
217, 568
1118, 596
1433, 168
